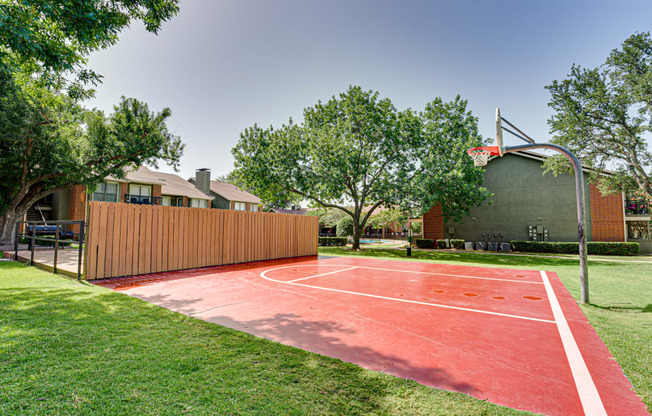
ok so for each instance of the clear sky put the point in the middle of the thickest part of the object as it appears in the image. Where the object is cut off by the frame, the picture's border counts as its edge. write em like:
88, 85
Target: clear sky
223, 65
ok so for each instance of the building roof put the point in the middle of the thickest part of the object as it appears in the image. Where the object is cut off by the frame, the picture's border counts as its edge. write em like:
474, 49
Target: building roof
301, 211
171, 184
541, 157
231, 192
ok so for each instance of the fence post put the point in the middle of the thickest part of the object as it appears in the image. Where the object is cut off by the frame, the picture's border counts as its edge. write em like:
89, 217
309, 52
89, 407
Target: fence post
81, 248
56, 247
16, 241
33, 243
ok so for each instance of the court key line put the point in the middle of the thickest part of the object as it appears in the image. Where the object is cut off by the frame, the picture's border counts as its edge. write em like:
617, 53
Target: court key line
438, 305
589, 396
323, 274
404, 271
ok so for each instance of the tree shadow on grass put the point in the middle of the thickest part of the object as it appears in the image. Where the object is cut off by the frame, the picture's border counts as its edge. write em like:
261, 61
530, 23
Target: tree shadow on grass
625, 308
82, 350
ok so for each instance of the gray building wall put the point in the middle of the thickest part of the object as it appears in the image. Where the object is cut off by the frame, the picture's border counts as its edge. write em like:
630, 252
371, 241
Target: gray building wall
523, 196
61, 205
220, 202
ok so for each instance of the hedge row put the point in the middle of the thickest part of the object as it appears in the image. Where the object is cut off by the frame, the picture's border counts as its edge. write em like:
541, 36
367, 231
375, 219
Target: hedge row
428, 243
332, 241
424, 243
593, 247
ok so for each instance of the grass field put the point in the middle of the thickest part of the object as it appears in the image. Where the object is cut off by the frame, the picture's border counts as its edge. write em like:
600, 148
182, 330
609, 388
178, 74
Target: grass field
73, 348
620, 294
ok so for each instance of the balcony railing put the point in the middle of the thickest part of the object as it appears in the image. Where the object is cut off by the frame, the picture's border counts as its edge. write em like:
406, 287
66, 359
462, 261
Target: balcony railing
143, 200
637, 206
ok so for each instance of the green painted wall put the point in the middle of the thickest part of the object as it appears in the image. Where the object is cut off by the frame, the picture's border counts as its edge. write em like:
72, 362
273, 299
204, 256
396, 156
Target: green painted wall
523, 196
219, 202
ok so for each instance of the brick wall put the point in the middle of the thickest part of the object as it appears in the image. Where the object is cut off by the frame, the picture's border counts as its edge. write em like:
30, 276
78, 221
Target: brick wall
156, 191
186, 201
607, 221
433, 224
77, 205
124, 190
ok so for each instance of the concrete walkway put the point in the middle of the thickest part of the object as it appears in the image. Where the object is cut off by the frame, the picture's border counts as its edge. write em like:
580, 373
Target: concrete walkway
67, 260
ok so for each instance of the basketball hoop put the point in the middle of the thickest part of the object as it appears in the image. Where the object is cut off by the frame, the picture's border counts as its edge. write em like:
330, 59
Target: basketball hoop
480, 155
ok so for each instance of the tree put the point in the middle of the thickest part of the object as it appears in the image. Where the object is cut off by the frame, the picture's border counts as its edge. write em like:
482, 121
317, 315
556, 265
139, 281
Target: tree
49, 143
344, 227
358, 151
49, 40
328, 217
390, 218
281, 200
604, 116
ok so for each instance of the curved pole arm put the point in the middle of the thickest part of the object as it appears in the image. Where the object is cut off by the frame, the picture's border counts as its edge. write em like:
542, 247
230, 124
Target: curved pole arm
579, 193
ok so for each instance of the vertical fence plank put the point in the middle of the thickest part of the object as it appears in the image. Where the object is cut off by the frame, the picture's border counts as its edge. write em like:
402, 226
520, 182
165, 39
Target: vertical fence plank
101, 243
108, 260
92, 239
117, 238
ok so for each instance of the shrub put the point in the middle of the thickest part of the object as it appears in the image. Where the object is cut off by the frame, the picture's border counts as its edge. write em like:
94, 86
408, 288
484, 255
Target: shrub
345, 227
425, 243
593, 247
457, 243
441, 244
332, 241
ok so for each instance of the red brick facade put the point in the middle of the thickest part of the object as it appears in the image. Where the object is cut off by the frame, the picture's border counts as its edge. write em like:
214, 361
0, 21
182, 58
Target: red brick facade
433, 224
607, 221
124, 190
77, 205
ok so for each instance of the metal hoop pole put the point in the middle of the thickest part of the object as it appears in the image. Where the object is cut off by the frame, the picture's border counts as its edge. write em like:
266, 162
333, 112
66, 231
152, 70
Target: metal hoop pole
579, 193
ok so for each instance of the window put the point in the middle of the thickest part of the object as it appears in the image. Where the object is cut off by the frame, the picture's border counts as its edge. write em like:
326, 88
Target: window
172, 201
106, 191
198, 203
240, 206
140, 190
254, 207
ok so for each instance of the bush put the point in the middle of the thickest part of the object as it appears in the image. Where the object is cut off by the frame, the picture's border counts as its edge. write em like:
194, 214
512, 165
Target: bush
457, 243
345, 227
593, 247
424, 243
441, 244
332, 241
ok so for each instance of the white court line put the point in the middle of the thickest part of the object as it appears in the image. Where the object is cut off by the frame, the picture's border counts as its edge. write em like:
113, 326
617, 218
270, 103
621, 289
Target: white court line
407, 271
527, 318
589, 396
323, 274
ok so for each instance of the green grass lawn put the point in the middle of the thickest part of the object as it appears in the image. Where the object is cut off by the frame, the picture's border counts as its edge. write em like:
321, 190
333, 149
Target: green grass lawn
73, 348
620, 294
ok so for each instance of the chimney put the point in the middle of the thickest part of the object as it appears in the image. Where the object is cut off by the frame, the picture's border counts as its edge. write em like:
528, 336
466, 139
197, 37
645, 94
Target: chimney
203, 180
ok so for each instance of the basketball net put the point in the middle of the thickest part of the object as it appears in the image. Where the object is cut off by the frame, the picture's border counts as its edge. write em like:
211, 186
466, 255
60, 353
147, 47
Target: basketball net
480, 156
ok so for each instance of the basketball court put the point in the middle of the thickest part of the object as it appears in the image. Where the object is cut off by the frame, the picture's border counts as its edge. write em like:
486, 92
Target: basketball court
513, 337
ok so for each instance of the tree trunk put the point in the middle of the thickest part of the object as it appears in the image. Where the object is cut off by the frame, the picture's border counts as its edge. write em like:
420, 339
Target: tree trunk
8, 228
356, 236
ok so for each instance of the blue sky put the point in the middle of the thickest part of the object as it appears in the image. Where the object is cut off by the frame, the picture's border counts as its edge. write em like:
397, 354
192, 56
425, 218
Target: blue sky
222, 66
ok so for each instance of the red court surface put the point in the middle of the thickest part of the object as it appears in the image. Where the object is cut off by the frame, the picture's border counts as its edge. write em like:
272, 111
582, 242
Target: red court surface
514, 337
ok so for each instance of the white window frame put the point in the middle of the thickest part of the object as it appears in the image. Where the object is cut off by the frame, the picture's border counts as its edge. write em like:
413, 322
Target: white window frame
239, 206
198, 203
253, 207
117, 191
133, 187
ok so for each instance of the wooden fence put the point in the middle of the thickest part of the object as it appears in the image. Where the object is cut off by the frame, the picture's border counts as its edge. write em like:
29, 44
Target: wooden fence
129, 239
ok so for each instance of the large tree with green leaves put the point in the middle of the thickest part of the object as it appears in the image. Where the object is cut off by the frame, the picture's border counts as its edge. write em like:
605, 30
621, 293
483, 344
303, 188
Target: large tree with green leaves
604, 116
49, 142
357, 150
49, 40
